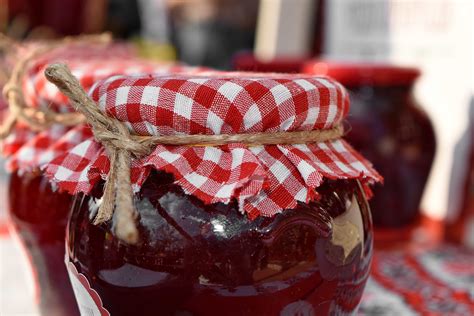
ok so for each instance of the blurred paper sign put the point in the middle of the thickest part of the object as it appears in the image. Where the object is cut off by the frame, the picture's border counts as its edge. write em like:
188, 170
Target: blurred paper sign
437, 37
284, 29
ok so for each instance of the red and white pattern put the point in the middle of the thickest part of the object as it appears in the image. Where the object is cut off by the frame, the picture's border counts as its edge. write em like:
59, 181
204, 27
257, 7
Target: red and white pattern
88, 63
27, 150
422, 281
264, 179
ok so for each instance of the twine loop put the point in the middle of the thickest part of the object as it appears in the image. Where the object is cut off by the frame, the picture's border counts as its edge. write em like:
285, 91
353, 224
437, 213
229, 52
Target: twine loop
10, 87
38, 119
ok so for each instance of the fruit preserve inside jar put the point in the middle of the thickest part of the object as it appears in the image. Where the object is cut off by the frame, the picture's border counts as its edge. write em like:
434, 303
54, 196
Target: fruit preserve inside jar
39, 216
210, 259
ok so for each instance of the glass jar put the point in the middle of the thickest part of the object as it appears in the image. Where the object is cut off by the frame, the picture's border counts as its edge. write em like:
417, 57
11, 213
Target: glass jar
391, 130
39, 216
197, 259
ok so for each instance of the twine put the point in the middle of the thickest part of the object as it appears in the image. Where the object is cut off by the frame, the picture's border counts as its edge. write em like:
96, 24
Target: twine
38, 119
121, 145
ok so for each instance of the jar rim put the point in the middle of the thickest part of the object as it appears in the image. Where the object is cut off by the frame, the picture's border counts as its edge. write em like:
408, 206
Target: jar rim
363, 73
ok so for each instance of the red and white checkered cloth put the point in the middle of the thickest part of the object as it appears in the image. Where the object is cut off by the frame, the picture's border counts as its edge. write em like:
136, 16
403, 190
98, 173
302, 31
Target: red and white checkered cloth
264, 179
27, 150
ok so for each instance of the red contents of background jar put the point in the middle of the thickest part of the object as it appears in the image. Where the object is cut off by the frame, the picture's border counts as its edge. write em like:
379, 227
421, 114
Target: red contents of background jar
391, 131
249, 62
197, 259
39, 217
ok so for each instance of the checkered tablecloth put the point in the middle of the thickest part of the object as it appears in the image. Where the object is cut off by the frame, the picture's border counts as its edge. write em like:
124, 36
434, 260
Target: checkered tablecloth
438, 281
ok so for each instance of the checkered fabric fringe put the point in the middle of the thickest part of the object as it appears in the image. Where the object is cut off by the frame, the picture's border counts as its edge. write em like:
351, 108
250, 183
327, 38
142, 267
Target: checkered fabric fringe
264, 179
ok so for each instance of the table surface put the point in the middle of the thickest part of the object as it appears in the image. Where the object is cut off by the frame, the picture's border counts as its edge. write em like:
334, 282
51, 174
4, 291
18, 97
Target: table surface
434, 280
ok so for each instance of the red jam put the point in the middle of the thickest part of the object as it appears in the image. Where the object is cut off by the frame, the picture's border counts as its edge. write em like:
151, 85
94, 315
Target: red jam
197, 259
390, 130
39, 217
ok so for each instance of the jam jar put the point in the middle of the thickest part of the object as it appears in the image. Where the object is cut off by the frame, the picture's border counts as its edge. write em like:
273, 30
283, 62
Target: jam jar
198, 259
254, 205
38, 214
389, 128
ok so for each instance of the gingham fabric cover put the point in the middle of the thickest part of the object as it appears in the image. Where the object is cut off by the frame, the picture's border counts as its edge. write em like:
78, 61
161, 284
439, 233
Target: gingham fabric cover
264, 179
27, 150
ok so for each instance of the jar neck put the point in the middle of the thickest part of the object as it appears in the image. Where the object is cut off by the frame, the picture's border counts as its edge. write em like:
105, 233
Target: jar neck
382, 98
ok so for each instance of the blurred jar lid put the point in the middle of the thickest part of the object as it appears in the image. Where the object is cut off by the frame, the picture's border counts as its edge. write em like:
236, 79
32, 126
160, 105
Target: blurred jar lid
247, 61
361, 74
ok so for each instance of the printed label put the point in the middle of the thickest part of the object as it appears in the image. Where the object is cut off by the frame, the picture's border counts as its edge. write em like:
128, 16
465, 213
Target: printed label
87, 298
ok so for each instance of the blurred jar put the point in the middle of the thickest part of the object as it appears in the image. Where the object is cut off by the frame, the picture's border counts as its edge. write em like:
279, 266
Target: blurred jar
39, 215
393, 132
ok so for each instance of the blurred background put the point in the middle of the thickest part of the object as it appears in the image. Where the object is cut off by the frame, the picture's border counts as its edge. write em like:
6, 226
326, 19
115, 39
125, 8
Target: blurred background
408, 65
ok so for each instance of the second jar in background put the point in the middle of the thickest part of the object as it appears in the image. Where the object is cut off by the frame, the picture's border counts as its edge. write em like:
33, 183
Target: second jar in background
392, 131
38, 215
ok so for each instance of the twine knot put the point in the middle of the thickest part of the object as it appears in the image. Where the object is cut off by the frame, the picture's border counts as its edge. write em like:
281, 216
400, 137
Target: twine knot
116, 138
